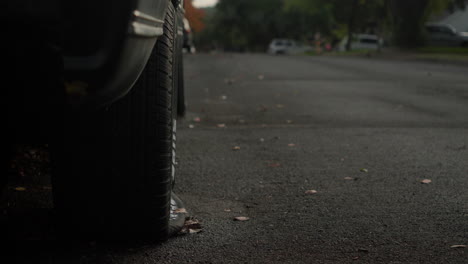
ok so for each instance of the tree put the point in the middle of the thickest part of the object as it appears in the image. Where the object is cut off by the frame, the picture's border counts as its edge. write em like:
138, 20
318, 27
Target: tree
409, 17
194, 16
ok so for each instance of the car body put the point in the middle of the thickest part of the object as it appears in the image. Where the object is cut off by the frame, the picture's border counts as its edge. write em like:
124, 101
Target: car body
445, 35
101, 82
286, 46
362, 42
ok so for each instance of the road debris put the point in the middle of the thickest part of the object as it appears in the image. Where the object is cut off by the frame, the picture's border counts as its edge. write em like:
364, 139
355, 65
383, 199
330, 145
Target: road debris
426, 181
311, 192
241, 218
459, 246
191, 226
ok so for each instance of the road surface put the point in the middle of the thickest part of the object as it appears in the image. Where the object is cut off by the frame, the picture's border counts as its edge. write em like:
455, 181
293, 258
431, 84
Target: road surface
332, 160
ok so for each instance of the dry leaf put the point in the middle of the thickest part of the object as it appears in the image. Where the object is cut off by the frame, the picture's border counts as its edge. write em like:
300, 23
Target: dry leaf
194, 231
274, 165
311, 192
291, 145
20, 189
241, 218
180, 211
426, 181
459, 246
236, 148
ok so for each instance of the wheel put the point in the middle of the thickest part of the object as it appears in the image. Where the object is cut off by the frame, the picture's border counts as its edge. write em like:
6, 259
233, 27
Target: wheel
181, 106
113, 168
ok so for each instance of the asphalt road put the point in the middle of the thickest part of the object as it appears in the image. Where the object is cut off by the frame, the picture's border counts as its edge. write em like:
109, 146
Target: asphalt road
324, 155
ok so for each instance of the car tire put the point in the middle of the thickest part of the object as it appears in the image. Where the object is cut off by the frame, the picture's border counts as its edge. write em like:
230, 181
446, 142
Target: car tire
113, 168
181, 106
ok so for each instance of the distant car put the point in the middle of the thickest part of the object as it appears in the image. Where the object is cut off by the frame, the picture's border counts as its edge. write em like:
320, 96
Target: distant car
188, 37
286, 46
445, 35
362, 42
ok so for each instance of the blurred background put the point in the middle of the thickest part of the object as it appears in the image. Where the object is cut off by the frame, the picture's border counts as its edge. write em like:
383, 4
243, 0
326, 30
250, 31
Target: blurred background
316, 26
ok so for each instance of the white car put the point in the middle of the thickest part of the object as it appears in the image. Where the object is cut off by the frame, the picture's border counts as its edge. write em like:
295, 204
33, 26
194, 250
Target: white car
362, 42
287, 46
445, 35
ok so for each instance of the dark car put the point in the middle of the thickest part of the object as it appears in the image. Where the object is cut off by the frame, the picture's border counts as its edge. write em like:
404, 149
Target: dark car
101, 83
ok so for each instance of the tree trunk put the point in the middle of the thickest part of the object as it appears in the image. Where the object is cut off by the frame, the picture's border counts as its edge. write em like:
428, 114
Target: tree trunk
351, 20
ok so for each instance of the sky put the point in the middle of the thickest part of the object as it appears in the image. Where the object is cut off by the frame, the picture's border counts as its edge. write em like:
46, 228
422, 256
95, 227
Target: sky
204, 3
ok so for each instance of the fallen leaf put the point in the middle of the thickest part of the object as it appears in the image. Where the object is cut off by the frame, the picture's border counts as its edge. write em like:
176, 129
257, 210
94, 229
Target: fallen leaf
459, 246
262, 108
236, 148
180, 211
426, 181
229, 81
196, 119
311, 192
194, 231
291, 145
241, 218
349, 178
364, 170
274, 165
191, 226
20, 189
221, 125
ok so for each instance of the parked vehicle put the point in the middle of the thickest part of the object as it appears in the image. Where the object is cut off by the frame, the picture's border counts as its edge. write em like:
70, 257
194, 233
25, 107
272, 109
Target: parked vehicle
101, 83
287, 46
445, 35
362, 42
